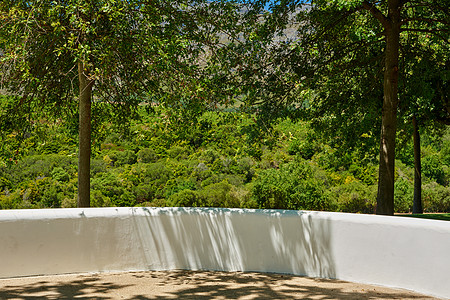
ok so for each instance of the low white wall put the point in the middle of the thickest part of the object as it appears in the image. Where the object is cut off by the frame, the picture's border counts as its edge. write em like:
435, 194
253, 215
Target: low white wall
391, 251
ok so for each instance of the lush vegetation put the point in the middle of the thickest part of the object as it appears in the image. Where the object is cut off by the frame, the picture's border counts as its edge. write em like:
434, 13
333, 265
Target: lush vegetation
347, 66
223, 159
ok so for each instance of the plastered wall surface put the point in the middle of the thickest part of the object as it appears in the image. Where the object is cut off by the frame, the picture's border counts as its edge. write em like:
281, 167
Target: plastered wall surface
391, 251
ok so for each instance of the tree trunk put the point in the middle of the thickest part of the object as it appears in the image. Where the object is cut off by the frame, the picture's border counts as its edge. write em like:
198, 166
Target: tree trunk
84, 156
417, 204
385, 197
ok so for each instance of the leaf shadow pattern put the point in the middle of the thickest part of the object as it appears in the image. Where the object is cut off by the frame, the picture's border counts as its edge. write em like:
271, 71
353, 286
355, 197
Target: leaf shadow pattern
84, 287
232, 285
182, 284
235, 240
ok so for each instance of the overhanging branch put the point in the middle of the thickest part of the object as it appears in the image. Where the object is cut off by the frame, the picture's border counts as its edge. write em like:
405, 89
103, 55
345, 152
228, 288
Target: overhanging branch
377, 14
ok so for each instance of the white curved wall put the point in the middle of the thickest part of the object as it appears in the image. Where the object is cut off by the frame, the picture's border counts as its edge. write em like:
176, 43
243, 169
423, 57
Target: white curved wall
391, 251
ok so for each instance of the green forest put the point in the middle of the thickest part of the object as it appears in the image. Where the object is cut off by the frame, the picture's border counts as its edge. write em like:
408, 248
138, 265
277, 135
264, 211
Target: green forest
223, 159
311, 104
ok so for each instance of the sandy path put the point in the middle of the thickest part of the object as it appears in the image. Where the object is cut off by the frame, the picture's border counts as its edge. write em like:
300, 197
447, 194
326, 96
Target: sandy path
191, 285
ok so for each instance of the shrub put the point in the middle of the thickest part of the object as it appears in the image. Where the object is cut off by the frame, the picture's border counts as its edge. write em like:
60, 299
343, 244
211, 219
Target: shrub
245, 167
59, 174
112, 189
432, 168
403, 195
120, 158
157, 172
147, 155
218, 195
436, 198
293, 186
354, 197
215, 195
144, 193
10, 200
52, 196
37, 166
179, 184
306, 149
243, 195
201, 172
445, 151
72, 202
185, 198
209, 156
178, 152
99, 165
97, 199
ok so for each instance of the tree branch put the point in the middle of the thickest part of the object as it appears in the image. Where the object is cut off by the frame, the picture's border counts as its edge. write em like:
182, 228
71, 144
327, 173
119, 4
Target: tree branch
377, 14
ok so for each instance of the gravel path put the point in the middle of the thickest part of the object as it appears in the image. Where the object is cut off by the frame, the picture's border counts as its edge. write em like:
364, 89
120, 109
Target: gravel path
191, 285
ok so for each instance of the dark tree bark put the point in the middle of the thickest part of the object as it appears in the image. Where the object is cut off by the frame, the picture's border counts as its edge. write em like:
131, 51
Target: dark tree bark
417, 204
84, 159
385, 197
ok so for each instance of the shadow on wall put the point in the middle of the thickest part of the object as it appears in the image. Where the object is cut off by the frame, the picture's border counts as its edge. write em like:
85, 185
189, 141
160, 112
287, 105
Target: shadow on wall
233, 240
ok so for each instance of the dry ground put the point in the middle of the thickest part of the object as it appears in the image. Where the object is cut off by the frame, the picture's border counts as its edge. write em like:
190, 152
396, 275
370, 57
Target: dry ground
191, 285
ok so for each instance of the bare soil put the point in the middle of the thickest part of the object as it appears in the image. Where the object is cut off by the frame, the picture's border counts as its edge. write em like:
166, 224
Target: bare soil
192, 285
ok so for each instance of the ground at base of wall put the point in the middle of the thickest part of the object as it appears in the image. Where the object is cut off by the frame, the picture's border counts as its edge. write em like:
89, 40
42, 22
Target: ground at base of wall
192, 285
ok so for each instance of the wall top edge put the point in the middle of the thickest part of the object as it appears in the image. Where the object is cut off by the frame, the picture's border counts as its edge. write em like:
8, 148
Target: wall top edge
126, 212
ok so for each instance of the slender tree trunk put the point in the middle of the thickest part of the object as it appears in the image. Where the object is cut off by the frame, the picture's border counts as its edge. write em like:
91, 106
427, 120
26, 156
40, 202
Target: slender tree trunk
84, 158
417, 204
385, 197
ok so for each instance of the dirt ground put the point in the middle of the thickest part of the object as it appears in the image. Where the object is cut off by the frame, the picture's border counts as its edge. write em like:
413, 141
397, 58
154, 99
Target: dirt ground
191, 285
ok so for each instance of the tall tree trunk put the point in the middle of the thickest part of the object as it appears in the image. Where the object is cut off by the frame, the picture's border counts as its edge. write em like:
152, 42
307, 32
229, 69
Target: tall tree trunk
417, 204
84, 158
385, 197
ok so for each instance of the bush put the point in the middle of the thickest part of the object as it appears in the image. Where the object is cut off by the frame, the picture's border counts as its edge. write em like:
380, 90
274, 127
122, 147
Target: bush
353, 197
112, 191
293, 186
52, 196
72, 202
179, 184
10, 200
185, 198
178, 152
445, 152
157, 172
120, 158
147, 155
144, 193
403, 196
218, 195
98, 165
436, 198
305, 148
209, 156
38, 166
59, 174
432, 168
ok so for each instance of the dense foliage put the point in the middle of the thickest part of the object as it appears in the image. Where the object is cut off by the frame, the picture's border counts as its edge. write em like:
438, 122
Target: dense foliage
221, 160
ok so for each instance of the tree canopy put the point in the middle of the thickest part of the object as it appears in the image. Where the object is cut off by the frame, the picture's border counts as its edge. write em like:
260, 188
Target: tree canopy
354, 60
113, 53
353, 67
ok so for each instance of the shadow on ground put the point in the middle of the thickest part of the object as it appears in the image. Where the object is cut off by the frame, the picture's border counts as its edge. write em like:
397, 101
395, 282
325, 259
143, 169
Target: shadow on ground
192, 285
40, 288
